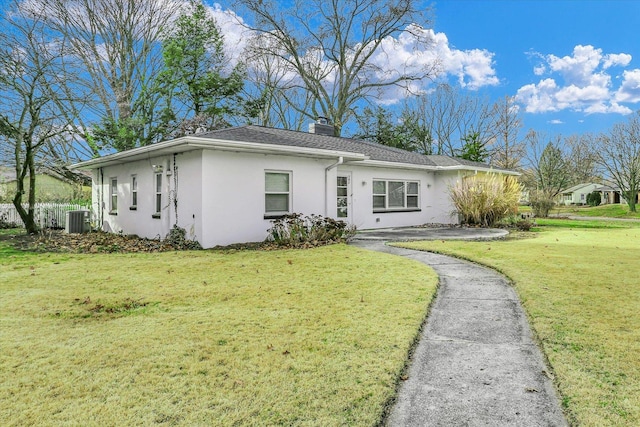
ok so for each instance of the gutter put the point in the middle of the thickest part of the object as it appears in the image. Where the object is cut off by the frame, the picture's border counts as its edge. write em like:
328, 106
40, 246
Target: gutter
398, 165
193, 143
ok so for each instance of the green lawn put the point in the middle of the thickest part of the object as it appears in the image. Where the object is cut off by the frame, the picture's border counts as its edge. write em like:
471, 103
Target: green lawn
581, 289
609, 211
291, 337
580, 223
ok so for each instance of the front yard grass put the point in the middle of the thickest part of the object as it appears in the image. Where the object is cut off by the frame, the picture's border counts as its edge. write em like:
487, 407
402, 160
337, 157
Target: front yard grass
581, 290
291, 337
614, 210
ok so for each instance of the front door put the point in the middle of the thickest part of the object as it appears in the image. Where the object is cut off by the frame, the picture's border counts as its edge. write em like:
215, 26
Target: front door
343, 197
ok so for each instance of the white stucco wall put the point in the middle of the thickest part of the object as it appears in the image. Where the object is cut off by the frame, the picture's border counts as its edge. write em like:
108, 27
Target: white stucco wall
221, 194
434, 203
189, 193
443, 210
128, 220
233, 193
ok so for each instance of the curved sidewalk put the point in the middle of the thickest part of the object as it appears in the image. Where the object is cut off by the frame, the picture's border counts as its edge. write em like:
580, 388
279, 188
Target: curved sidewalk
476, 363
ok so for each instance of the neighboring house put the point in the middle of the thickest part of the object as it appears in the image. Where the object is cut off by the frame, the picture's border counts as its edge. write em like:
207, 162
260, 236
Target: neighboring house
577, 195
609, 195
226, 186
612, 195
51, 185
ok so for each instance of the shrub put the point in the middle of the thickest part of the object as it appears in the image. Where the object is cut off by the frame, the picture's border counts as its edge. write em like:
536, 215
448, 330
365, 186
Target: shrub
524, 225
298, 230
519, 222
594, 199
5, 223
177, 237
541, 203
485, 200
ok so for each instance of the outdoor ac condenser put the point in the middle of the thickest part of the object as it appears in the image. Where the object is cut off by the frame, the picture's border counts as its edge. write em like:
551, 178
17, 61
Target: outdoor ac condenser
77, 222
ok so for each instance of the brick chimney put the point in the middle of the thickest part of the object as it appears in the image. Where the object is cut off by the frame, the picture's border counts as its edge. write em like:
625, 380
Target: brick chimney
322, 126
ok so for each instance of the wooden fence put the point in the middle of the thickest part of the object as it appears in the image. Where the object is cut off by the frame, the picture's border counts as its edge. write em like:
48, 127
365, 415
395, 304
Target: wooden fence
47, 215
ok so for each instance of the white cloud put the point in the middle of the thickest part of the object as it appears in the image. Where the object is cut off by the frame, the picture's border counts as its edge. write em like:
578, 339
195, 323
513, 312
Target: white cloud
555, 122
580, 82
607, 108
620, 109
235, 33
629, 90
621, 59
472, 68
573, 96
576, 69
538, 98
539, 70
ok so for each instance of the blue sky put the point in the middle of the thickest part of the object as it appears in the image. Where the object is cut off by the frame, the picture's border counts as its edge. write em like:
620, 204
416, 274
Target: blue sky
573, 65
561, 58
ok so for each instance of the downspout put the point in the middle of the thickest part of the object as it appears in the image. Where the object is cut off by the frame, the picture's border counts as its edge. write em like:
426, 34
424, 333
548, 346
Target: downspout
175, 189
326, 183
167, 173
101, 197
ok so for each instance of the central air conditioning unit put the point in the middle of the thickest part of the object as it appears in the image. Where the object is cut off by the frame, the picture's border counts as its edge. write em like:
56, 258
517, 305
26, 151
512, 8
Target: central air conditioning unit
77, 222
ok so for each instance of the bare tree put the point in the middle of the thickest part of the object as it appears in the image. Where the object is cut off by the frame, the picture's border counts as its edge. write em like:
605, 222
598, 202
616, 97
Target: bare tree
618, 154
548, 163
330, 45
508, 150
581, 158
276, 89
113, 49
29, 114
442, 112
478, 120
452, 116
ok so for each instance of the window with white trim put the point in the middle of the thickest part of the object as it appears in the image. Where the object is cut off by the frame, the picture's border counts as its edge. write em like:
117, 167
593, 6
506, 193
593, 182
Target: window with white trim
113, 203
394, 195
158, 193
134, 191
277, 192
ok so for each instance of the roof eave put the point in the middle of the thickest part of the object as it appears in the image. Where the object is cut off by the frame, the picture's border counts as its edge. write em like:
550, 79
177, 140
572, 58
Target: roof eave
400, 165
189, 143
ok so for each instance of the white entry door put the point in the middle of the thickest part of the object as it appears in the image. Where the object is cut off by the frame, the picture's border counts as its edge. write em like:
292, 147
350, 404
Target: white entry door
343, 200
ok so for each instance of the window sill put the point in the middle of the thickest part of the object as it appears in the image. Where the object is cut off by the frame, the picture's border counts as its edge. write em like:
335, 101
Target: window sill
114, 213
156, 216
377, 211
275, 215
133, 208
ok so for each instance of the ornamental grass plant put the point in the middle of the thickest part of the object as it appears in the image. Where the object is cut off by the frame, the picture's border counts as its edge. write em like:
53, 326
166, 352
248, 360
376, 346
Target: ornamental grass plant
484, 200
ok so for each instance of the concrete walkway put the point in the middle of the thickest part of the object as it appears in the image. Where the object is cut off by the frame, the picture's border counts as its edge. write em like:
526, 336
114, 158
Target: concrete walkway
476, 363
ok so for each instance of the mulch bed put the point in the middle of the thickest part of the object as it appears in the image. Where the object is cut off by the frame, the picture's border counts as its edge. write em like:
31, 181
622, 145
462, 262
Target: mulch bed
102, 242
94, 242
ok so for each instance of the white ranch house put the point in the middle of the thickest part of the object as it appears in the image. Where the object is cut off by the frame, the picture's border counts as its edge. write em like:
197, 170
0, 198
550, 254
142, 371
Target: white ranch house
226, 186
577, 195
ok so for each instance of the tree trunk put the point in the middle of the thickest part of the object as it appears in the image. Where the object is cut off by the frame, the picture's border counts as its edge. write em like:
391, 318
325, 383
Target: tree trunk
26, 215
631, 199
